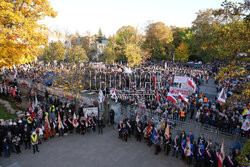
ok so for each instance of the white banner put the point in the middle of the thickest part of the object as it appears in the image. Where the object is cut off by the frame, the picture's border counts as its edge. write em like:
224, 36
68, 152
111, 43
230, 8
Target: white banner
180, 79
175, 91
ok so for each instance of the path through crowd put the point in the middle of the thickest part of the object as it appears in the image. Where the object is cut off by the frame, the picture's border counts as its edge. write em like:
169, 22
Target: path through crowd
209, 89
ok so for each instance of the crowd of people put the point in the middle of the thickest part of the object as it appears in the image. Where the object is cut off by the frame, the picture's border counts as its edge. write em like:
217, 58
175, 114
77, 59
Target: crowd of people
43, 121
145, 87
197, 152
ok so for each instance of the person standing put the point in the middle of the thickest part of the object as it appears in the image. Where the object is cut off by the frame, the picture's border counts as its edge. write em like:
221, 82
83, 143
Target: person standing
34, 142
168, 142
26, 138
65, 126
6, 148
82, 126
112, 117
9, 141
69, 122
200, 156
16, 141
176, 146
120, 129
138, 132
100, 125
125, 130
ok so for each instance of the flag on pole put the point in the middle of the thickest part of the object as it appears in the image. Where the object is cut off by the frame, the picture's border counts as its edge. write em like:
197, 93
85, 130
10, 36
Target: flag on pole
30, 108
222, 149
36, 101
101, 97
137, 117
222, 96
155, 137
221, 155
154, 80
191, 84
75, 122
59, 122
149, 128
46, 124
245, 112
187, 149
167, 132
113, 95
171, 98
182, 97
158, 97
14, 92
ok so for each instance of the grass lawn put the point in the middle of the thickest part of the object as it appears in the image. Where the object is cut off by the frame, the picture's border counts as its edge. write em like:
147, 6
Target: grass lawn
4, 114
12, 102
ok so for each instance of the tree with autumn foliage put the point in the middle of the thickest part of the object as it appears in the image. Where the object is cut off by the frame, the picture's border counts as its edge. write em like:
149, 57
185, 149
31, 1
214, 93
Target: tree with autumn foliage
21, 35
54, 51
109, 53
76, 54
244, 158
182, 52
70, 80
126, 45
158, 37
232, 40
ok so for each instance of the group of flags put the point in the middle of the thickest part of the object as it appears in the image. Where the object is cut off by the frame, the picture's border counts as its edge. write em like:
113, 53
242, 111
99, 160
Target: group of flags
171, 97
155, 135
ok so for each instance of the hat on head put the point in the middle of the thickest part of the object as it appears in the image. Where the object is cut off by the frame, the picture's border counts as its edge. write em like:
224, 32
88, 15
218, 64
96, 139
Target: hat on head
14, 123
20, 121
33, 133
10, 123
202, 146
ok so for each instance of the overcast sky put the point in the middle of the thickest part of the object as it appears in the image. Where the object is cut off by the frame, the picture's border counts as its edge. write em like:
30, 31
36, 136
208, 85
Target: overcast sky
110, 15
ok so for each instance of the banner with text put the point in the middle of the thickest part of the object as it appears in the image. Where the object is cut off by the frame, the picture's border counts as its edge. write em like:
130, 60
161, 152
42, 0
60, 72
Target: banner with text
175, 91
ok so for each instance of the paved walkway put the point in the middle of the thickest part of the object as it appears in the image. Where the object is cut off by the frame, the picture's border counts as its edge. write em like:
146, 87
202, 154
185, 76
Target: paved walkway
209, 89
91, 150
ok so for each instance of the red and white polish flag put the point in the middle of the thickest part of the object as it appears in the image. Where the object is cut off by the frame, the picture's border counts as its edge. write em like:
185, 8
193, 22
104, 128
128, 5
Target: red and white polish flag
222, 96
171, 98
181, 96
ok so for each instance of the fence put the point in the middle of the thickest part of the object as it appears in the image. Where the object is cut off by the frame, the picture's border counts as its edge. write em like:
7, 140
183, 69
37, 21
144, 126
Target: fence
177, 126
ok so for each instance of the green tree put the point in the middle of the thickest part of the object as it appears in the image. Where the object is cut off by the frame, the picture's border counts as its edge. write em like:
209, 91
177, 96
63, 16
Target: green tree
204, 27
126, 45
178, 35
55, 51
133, 53
232, 39
182, 52
185, 35
158, 36
76, 54
109, 54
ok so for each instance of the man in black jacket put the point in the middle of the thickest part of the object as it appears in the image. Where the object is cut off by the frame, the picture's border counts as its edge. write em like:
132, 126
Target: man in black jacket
100, 125
26, 138
138, 132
